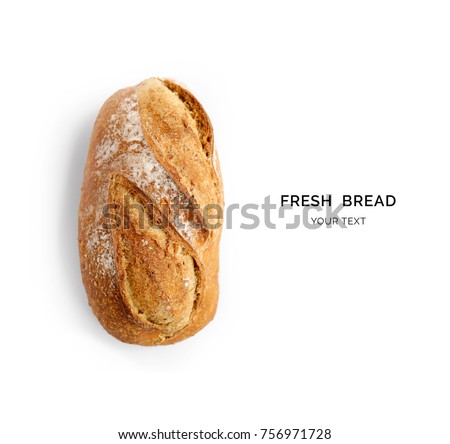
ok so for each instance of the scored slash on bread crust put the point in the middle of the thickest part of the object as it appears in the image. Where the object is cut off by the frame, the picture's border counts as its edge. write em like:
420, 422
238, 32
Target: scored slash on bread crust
153, 143
169, 112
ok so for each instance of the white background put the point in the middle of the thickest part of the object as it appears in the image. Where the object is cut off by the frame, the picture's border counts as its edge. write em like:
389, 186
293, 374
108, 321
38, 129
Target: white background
332, 328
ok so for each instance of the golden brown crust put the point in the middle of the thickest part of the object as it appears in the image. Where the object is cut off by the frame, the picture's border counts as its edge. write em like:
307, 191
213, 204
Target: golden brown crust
150, 280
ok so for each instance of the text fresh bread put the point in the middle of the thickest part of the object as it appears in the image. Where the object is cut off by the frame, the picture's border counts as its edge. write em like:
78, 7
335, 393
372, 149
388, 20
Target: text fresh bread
150, 215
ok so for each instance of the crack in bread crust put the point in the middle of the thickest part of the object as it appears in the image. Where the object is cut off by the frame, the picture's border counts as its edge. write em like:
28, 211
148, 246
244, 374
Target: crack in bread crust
160, 280
187, 153
198, 114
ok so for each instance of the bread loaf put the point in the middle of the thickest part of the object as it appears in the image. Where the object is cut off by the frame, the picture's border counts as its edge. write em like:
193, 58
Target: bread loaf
149, 253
